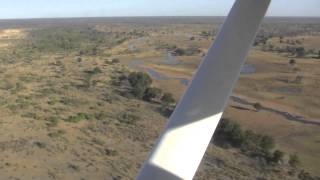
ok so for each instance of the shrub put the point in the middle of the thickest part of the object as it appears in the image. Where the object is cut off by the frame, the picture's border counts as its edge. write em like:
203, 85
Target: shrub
138, 91
186, 52
266, 143
277, 156
179, 52
294, 160
57, 134
115, 60
229, 132
167, 99
78, 117
300, 51
303, 175
52, 121
151, 93
257, 106
111, 152
127, 118
292, 62
96, 70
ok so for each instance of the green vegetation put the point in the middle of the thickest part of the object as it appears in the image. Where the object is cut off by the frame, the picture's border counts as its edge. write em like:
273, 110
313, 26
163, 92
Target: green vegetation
167, 99
294, 160
277, 156
111, 152
292, 61
127, 118
139, 81
186, 52
152, 93
300, 52
257, 106
253, 144
57, 134
68, 39
78, 117
52, 121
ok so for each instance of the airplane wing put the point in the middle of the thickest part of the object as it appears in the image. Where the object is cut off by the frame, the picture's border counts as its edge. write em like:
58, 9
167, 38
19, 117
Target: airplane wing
178, 152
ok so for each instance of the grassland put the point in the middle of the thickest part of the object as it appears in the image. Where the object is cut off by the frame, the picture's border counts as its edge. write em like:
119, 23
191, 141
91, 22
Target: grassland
66, 114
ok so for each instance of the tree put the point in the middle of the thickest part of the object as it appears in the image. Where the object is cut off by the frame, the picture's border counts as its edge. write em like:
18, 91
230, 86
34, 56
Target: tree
138, 91
294, 160
167, 99
139, 78
151, 93
139, 81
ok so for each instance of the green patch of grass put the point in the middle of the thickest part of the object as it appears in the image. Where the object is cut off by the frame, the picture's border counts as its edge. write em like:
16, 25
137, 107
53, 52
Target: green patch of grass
74, 167
40, 145
98, 141
111, 152
52, 121
19, 87
127, 118
31, 115
102, 115
57, 134
79, 117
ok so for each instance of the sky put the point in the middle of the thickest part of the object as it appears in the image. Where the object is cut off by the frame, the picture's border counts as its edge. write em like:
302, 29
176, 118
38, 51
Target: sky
13, 9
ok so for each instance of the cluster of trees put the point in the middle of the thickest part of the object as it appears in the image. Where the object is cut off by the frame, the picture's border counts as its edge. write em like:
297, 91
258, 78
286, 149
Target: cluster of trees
260, 39
186, 52
207, 33
230, 133
293, 50
141, 88
65, 39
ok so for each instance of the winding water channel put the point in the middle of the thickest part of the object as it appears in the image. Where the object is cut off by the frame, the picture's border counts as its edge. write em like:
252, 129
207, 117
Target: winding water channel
246, 69
286, 115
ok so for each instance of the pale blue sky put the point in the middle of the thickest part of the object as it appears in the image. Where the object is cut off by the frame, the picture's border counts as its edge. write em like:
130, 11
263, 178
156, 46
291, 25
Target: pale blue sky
92, 8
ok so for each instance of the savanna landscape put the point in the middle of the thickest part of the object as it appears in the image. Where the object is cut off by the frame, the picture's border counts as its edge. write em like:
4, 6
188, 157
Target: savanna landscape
86, 98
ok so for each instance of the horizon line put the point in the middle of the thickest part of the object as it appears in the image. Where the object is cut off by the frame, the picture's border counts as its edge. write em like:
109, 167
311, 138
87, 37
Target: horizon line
165, 16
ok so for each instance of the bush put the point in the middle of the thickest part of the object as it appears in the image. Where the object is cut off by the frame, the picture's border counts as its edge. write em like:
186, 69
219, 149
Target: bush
52, 121
229, 132
151, 93
167, 99
277, 156
78, 117
292, 62
266, 143
115, 60
294, 160
127, 118
257, 106
303, 175
186, 52
300, 51
138, 91
96, 70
